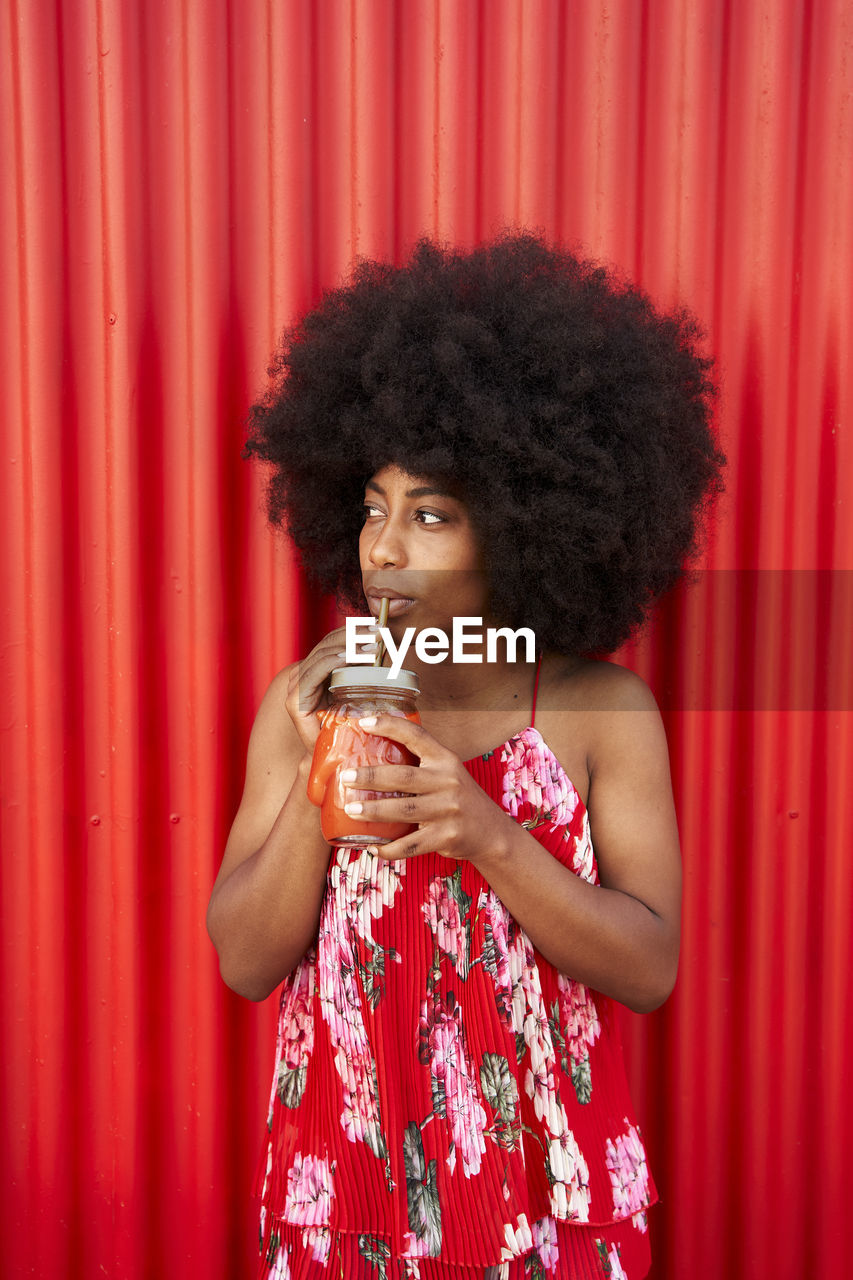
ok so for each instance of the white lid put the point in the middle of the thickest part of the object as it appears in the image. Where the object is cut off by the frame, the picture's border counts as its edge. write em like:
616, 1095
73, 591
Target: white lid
370, 677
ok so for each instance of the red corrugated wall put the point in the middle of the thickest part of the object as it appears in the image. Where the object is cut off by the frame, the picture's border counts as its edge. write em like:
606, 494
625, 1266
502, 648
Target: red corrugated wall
179, 178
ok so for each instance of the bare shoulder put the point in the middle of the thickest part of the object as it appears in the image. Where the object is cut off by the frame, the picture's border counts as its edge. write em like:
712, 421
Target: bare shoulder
272, 710
593, 714
621, 716
271, 767
274, 743
601, 685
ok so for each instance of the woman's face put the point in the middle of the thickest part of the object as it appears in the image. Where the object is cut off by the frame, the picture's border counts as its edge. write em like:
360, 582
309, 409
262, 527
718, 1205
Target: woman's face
418, 547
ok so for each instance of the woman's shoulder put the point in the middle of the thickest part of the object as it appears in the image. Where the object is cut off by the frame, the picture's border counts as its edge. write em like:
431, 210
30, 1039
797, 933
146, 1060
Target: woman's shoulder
579, 712
583, 685
275, 696
273, 732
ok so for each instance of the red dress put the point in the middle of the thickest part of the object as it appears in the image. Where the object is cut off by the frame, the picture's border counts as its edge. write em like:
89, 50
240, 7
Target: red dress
445, 1103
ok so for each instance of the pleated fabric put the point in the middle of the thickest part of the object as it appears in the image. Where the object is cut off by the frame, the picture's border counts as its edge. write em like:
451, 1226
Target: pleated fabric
620, 1251
444, 1101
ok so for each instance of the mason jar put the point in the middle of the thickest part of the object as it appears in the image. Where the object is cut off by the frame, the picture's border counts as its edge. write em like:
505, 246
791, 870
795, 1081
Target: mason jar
354, 693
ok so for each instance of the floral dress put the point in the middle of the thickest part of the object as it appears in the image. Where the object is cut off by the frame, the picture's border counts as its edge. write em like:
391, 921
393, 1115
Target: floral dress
445, 1104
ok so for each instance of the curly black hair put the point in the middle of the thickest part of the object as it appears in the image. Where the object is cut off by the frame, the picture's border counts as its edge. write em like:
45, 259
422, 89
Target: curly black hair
572, 417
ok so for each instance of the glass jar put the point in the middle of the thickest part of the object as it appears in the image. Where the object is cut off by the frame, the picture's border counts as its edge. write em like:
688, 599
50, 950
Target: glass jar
356, 692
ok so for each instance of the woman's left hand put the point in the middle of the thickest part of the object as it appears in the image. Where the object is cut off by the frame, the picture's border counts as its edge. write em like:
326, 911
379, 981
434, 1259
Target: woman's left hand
455, 817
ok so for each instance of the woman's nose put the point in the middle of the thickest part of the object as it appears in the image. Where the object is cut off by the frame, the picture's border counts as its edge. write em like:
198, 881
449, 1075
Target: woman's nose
386, 549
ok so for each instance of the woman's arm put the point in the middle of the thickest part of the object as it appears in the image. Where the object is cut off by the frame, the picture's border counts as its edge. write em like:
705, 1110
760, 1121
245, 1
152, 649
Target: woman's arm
265, 906
620, 937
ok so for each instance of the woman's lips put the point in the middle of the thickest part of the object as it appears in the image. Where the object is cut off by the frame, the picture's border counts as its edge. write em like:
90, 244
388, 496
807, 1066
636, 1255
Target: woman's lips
397, 605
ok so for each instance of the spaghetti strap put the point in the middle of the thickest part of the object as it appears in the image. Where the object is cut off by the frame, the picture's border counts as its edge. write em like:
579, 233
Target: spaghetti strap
535, 692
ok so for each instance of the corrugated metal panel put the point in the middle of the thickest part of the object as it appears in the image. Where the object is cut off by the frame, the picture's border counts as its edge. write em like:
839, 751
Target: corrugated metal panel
180, 179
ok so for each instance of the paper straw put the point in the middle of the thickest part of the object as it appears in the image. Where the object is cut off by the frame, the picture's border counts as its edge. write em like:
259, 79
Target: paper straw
381, 621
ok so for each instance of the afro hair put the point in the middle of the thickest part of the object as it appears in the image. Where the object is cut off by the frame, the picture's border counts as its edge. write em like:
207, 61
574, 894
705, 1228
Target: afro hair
572, 417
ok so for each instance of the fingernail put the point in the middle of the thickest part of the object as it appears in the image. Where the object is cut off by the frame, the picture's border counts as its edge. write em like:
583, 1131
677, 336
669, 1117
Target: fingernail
369, 722
372, 848
354, 808
348, 775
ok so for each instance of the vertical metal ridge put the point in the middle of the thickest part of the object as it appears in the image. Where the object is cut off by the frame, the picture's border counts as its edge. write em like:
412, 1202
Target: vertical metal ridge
22, 821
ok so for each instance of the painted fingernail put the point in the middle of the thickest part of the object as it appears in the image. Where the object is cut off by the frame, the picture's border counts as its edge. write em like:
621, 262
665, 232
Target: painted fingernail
353, 809
369, 722
348, 775
372, 848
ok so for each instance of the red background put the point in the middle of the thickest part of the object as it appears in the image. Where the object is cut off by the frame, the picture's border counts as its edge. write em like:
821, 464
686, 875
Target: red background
180, 178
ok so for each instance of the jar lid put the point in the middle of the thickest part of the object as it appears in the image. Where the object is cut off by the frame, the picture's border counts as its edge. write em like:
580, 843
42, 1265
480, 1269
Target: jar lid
370, 677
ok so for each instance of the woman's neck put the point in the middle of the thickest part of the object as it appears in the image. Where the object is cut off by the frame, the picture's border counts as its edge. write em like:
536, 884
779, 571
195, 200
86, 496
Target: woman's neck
450, 686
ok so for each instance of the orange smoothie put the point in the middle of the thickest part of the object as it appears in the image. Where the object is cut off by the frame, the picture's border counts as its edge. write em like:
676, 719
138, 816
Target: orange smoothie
343, 744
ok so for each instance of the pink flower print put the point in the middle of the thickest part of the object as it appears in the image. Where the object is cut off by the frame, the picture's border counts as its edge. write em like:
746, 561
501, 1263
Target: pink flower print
295, 1035
416, 1248
446, 911
339, 1000
454, 1091
570, 1195
496, 950
359, 1114
579, 1017
527, 1015
319, 1241
365, 885
544, 1234
629, 1176
443, 1042
512, 794
519, 1239
340, 1004
576, 1027
467, 1122
297, 1038
504, 956
516, 783
564, 1157
583, 859
309, 1191
280, 1268
542, 1088
535, 777
611, 1264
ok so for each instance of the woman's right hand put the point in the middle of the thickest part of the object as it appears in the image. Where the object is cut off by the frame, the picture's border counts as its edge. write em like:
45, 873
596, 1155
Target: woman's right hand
307, 688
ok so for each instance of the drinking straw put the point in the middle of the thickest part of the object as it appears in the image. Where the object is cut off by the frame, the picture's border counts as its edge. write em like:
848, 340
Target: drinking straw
380, 644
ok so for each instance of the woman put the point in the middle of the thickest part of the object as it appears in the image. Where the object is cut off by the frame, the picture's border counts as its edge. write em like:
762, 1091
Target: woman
509, 434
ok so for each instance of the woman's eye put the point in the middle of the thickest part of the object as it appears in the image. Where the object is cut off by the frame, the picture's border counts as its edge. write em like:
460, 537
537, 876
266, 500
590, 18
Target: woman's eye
369, 510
